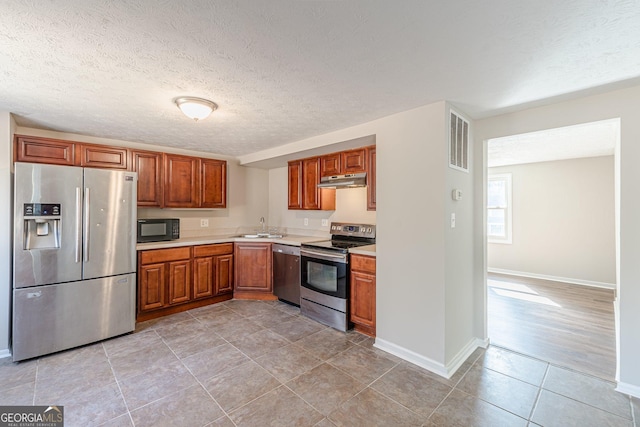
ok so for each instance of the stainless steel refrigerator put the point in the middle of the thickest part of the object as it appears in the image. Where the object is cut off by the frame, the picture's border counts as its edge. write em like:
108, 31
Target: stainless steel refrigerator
74, 257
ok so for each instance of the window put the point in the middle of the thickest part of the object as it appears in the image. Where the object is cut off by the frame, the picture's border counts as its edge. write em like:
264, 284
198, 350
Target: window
499, 208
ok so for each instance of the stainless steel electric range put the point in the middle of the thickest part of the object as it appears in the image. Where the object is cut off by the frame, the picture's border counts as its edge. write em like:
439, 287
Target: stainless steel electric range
324, 290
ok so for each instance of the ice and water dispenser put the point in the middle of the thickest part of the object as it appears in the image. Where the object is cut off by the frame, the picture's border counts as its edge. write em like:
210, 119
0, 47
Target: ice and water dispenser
41, 226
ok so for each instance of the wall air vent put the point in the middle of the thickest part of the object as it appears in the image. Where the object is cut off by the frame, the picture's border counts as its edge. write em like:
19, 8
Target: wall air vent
458, 143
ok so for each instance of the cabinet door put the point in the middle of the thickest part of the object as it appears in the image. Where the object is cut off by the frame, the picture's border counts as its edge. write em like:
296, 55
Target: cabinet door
44, 150
354, 161
371, 179
102, 156
151, 286
310, 180
181, 181
148, 164
363, 299
203, 277
295, 184
253, 267
213, 179
179, 281
330, 164
223, 283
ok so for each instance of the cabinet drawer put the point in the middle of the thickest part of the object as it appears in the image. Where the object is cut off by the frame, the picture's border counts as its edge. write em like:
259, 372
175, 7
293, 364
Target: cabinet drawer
210, 250
165, 255
363, 263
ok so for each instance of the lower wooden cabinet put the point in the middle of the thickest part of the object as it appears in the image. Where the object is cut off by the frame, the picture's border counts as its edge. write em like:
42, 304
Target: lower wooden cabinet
213, 270
253, 271
178, 279
363, 294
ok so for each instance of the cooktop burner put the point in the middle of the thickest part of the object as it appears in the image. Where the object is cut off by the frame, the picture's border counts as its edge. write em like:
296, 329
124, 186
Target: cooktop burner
345, 236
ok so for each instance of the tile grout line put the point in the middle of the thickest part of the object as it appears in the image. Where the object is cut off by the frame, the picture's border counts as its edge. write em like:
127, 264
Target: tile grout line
126, 405
540, 388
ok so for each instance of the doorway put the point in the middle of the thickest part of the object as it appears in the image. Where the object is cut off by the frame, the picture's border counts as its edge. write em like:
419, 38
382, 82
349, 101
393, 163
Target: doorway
551, 247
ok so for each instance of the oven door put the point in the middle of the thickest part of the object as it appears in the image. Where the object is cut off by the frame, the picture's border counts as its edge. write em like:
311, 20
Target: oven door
325, 273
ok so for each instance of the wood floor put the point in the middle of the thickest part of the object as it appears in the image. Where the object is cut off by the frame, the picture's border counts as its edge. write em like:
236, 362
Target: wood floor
567, 325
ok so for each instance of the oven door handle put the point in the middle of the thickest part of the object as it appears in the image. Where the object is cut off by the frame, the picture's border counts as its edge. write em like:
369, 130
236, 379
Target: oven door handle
342, 258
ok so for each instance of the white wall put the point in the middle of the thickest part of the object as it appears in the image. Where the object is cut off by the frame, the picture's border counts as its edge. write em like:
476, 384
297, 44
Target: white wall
351, 206
563, 221
6, 228
623, 104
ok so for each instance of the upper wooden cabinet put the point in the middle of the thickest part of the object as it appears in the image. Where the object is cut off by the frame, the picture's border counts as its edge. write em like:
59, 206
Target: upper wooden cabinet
102, 156
330, 164
193, 182
164, 180
304, 177
149, 165
343, 162
354, 161
45, 150
213, 179
295, 184
371, 178
181, 181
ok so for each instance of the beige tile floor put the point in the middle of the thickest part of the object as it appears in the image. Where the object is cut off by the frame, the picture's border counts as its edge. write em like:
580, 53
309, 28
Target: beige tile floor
252, 363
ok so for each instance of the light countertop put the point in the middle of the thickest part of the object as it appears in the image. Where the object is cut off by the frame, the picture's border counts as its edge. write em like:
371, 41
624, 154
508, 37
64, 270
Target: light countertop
292, 240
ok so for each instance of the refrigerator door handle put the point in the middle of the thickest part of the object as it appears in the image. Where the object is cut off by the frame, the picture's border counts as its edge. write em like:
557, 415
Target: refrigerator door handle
78, 223
85, 244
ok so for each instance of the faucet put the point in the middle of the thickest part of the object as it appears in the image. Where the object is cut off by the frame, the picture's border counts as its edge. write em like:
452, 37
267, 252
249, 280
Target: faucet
262, 223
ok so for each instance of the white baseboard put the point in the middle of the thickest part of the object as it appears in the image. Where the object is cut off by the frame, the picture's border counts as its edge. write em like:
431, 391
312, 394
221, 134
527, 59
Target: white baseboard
5, 353
429, 364
630, 389
554, 278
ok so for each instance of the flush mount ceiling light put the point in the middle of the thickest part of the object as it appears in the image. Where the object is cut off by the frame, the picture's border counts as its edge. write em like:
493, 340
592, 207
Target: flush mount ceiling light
195, 108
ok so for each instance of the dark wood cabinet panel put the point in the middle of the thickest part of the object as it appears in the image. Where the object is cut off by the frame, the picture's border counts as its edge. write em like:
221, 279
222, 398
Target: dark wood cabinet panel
45, 150
253, 268
354, 161
181, 181
330, 164
179, 281
310, 180
371, 178
224, 275
148, 164
363, 294
151, 286
203, 277
102, 156
295, 184
213, 176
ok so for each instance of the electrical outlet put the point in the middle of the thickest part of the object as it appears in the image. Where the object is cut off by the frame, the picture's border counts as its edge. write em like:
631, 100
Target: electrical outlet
325, 222
204, 223
306, 221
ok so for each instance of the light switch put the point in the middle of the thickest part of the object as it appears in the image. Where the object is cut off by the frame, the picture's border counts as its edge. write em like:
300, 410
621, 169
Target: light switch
453, 220
325, 222
306, 221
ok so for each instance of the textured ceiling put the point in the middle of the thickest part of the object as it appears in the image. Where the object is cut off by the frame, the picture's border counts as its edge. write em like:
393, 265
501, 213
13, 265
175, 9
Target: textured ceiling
282, 71
570, 142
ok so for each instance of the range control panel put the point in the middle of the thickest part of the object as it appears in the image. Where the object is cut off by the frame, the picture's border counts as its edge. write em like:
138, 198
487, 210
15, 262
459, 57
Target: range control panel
356, 230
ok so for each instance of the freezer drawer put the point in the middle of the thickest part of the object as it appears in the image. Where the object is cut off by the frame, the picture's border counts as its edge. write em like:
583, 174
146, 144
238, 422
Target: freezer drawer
51, 318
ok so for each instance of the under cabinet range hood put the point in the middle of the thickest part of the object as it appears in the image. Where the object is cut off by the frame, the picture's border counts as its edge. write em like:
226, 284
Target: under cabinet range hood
344, 181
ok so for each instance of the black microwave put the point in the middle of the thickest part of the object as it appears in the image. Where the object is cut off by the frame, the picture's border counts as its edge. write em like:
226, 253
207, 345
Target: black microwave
158, 229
